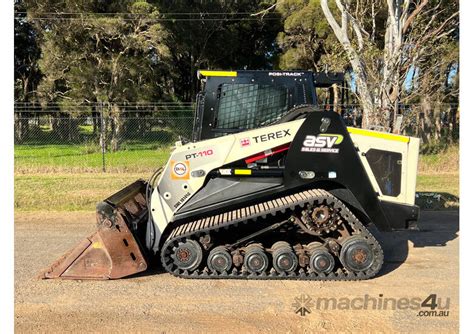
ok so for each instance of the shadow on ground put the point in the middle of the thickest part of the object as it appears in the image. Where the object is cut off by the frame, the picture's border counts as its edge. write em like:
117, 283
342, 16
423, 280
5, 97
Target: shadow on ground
436, 229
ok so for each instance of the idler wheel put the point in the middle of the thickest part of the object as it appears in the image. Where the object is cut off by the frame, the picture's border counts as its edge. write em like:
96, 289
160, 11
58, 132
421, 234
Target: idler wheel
356, 254
187, 255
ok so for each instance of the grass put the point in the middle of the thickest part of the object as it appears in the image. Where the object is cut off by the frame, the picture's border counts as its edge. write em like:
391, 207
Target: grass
444, 183
446, 162
67, 178
44, 152
439, 172
139, 156
67, 192
82, 191
84, 158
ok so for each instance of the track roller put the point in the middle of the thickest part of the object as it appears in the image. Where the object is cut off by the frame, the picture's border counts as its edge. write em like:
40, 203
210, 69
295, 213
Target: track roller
284, 260
255, 259
348, 251
219, 260
320, 261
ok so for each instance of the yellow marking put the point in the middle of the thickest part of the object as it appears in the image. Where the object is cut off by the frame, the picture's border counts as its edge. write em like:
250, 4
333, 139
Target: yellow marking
376, 134
243, 172
218, 73
338, 140
97, 244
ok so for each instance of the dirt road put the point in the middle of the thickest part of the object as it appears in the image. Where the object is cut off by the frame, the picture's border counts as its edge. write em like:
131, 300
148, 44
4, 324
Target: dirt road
418, 264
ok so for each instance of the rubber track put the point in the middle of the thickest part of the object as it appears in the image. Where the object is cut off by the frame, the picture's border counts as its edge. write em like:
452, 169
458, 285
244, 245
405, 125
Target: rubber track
261, 210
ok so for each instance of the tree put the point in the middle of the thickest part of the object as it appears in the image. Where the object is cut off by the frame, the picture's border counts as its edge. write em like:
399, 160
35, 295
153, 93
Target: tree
307, 41
382, 67
216, 35
97, 58
27, 73
434, 83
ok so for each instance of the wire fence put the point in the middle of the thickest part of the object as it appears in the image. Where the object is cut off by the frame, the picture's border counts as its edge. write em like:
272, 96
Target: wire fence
135, 137
98, 137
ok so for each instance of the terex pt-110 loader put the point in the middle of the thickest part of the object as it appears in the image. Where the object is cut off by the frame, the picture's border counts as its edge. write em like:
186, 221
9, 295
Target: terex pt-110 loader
274, 191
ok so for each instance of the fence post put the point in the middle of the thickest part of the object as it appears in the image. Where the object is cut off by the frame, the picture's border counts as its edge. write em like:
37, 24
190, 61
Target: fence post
102, 134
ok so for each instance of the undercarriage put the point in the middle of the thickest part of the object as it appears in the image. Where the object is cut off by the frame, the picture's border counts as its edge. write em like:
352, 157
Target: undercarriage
308, 235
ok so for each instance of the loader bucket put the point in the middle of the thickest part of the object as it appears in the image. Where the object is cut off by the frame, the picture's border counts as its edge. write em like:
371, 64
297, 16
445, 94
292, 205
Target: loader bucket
114, 251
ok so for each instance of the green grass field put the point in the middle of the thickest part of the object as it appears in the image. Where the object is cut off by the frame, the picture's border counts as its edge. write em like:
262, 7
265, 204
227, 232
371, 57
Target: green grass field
446, 162
67, 192
82, 191
445, 183
83, 158
44, 152
67, 178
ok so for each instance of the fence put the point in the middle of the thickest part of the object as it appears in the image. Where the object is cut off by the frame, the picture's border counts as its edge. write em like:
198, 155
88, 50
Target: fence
137, 137
98, 137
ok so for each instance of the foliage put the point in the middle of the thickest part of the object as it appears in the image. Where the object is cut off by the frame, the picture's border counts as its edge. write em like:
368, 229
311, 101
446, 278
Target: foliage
386, 42
27, 53
101, 58
209, 41
307, 40
110, 56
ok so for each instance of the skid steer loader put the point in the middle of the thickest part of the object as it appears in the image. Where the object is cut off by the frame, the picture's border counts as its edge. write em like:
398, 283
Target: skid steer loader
268, 189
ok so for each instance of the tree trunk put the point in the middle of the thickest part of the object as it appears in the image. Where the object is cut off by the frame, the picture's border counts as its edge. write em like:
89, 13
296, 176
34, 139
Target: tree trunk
95, 120
21, 126
337, 106
365, 96
116, 128
426, 116
437, 121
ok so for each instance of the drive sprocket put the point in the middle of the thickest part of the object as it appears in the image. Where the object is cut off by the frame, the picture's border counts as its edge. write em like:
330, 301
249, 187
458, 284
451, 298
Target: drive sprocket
320, 219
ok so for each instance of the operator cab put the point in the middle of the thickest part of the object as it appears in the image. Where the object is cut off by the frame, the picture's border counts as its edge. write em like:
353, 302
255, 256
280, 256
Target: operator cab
236, 101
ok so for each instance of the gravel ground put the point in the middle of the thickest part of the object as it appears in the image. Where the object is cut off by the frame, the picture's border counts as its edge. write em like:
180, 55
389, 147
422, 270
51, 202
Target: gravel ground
417, 264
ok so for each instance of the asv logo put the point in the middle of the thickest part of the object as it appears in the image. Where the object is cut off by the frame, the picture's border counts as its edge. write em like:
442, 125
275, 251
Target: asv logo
323, 143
